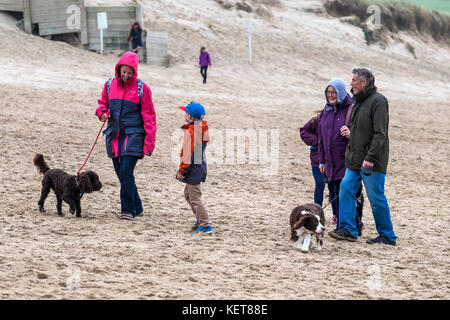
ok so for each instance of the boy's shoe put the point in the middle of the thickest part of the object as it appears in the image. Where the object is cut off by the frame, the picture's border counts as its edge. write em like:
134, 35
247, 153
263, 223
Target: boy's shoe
140, 214
195, 226
202, 229
334, 220
127, 216
381, 239
342, 234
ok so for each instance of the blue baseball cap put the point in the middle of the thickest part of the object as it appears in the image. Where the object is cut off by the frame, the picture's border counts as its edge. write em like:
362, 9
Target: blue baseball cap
194, 109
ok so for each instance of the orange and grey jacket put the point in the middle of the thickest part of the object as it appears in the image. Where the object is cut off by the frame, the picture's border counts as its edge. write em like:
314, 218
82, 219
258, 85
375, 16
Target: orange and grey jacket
193, 160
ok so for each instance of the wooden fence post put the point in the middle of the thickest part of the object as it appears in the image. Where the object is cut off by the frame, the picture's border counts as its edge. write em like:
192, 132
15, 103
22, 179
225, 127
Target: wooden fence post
84, 28
140, 18
140, 15
27, 16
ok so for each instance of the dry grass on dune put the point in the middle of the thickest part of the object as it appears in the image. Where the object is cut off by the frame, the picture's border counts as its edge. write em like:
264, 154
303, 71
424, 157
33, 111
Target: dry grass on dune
395, 17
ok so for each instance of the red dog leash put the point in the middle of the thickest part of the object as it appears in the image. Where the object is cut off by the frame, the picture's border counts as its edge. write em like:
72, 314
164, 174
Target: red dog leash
78, 173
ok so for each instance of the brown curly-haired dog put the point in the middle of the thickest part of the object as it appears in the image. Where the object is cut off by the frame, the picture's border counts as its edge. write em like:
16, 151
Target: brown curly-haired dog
69, 188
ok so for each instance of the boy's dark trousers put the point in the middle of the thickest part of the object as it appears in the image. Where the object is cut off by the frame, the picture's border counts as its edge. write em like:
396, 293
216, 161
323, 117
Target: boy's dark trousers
203, 70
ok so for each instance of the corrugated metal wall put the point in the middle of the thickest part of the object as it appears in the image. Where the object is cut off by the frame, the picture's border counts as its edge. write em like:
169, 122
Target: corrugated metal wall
156, 44
115, 37
11, 5
56, 16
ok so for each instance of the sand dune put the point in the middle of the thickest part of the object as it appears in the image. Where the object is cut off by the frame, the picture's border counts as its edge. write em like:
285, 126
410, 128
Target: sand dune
49, 92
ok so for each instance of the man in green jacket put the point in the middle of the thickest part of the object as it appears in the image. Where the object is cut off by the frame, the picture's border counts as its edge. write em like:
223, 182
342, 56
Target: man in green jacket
366, 159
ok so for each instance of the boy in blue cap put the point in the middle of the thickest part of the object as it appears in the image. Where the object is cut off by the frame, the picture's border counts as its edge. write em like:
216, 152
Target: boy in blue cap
192, 170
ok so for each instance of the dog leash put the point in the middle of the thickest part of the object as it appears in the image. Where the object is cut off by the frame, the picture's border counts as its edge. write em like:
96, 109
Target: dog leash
104, 122
326, 181
331, 201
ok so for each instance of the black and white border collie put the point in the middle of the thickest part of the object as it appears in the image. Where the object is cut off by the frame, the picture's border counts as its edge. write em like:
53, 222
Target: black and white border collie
307, 220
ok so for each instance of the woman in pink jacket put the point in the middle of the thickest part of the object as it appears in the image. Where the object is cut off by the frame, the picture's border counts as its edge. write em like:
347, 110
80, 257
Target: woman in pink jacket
130, 135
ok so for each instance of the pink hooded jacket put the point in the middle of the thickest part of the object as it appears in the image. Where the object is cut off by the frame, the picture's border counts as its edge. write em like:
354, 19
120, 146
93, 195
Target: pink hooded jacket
131, 127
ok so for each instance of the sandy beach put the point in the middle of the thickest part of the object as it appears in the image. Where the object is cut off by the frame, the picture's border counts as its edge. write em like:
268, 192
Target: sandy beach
49, 92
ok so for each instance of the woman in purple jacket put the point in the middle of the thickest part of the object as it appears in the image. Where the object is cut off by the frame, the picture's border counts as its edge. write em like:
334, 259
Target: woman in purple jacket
204, 60
309, 135
333, 141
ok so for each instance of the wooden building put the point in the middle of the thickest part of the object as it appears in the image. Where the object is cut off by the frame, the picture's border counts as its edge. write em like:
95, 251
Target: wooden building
54, 17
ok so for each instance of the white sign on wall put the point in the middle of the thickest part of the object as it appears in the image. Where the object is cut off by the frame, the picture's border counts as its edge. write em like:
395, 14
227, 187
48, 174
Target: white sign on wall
102, 20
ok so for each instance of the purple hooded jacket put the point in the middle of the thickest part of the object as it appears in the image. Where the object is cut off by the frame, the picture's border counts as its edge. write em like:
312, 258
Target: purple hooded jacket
331, 144
310, 136
204, 59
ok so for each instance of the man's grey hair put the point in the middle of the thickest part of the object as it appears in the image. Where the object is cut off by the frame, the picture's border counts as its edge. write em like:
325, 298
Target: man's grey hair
364, 74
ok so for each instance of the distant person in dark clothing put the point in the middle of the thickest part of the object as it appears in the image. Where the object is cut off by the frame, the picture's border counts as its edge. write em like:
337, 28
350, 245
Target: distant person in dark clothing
204, 60
136, 37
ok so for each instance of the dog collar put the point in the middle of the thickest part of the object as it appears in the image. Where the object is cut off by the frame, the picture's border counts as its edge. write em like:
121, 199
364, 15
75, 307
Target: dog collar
77, 181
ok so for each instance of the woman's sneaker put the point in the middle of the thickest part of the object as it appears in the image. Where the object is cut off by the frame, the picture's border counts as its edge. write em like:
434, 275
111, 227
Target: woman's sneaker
202, 229
127, 216
334, 220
